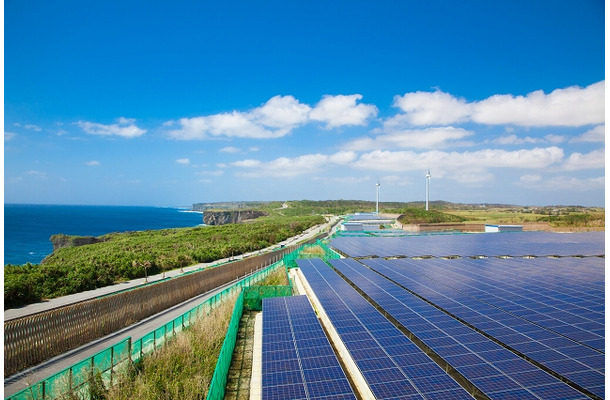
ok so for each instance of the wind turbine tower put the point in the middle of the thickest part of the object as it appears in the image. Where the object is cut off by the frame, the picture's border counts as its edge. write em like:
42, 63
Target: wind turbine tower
428, 176
377, 206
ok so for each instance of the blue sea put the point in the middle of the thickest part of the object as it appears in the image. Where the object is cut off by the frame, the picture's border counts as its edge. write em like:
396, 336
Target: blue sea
28, 227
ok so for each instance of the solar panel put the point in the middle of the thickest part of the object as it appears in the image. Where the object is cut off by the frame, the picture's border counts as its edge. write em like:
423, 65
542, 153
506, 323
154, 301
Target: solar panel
562, 295
298, 360
568, 359
457, 344
470, 245
390, 363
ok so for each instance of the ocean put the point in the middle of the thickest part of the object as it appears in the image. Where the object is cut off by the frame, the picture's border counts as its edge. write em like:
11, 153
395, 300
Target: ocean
28, 227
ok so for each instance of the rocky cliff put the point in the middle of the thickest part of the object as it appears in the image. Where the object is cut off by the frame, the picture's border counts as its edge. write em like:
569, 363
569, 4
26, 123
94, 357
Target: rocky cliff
62, 240
230, 216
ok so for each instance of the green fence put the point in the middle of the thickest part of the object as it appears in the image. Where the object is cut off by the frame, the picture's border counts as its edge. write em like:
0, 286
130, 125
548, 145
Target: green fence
77, 379
219, 379
314, 250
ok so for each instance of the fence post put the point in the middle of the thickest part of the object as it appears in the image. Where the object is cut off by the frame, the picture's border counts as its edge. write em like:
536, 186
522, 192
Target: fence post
111, 363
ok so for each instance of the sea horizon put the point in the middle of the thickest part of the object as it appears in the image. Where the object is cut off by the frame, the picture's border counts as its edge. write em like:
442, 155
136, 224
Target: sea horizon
28, 227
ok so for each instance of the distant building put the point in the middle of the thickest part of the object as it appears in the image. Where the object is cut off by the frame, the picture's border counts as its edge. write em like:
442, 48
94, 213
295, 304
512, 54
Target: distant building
503, 228
352, 226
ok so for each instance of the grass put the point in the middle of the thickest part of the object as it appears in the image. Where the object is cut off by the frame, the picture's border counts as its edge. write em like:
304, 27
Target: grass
183, 368
421, 216
130, 255
276, 278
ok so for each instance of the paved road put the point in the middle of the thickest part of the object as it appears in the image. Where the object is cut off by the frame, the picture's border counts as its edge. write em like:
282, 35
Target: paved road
90, 294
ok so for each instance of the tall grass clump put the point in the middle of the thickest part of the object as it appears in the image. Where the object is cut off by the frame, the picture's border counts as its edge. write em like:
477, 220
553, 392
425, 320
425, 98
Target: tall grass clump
183, 368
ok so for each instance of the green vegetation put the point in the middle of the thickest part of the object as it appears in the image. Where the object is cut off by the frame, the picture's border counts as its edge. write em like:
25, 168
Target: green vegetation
421, 216
277, 278
575, 220
183, 368
121, 256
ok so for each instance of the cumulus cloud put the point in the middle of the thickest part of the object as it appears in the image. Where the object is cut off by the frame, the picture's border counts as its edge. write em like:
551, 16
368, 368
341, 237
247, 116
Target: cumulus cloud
456, 161
514, 139
571, 106
291, 167
423, 138
579, 161
342, 110
31, 127
183, 161
92, 163
124, 127
597, 134
436, 108
274, 119
8, 136
229, 149
561, 183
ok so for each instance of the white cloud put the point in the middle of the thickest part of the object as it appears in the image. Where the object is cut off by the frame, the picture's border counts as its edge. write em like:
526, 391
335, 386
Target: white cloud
281, 112
435, 108
31, 127
597, 134
8, 136
274, 119
561, 183
342, 110
343, 157
92, 163
38, 174
348, 180
423, 138
183, 161
253, 149
125, 128
579, 161
572, 106
291, 167
453, 162
514, 139
395, 180
229, 149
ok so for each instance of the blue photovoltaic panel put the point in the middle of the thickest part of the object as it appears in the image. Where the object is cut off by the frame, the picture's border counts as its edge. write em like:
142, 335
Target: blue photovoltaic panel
293, 342
469, 245
393, 366
564, 295
567, 358
493, 369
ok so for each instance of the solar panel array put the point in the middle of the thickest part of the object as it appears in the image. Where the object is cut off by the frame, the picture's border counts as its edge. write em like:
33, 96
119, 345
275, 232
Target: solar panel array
496, 371
393, 366
563, 295
298, 360
567, 358
470, 245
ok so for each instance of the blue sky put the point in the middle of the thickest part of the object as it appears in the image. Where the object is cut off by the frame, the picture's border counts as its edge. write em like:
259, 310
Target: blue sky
151, 103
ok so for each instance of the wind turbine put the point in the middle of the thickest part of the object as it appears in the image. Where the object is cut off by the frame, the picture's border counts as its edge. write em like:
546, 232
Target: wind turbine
377, 207
428, 176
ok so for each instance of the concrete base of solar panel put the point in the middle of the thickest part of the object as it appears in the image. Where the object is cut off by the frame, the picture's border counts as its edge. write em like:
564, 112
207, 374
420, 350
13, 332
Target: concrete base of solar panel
350, 366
